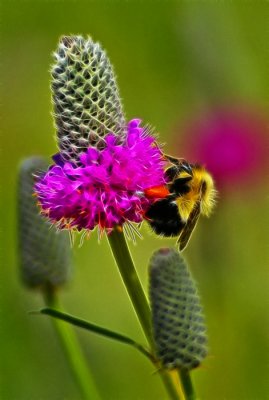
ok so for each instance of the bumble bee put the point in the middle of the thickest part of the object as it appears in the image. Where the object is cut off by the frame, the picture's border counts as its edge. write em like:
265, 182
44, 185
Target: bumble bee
188, 193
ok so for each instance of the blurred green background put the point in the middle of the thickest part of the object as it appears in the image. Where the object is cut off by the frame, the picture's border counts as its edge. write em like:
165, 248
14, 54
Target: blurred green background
173, 60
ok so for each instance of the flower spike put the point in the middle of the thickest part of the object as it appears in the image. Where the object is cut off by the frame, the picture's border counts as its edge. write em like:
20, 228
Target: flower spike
87, 105
99, 177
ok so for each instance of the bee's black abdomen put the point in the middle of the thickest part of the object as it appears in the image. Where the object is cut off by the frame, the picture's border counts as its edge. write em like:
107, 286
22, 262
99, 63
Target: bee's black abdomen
164, 218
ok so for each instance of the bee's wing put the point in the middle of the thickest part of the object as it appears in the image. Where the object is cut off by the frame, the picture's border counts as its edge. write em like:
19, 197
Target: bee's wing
189, 227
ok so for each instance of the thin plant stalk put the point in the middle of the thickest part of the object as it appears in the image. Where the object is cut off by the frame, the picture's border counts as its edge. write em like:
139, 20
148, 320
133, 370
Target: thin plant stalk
72, 349
187, 385
138, 298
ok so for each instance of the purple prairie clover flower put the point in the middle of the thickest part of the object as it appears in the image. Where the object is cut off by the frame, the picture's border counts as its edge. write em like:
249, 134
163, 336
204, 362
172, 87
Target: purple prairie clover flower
107, 188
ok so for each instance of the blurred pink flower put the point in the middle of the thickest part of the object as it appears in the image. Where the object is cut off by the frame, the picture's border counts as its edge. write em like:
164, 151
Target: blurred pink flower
232, 143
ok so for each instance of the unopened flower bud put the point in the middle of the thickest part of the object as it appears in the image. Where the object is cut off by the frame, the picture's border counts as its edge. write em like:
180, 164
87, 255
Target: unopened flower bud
178, 322
44, 253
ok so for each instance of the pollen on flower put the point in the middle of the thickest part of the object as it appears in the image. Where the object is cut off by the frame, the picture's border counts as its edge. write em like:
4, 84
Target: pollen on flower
106, 188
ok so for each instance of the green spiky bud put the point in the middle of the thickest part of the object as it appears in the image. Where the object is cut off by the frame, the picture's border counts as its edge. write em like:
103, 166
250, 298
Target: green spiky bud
177, 319
86, 99
44, 253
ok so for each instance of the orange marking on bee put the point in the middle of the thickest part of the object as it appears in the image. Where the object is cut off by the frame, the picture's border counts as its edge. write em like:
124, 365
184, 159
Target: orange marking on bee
158, 192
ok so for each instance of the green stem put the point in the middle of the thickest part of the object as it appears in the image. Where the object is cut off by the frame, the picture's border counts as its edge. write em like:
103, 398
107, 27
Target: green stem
138, 298
72, 351
97, 329
186, 385
131, 280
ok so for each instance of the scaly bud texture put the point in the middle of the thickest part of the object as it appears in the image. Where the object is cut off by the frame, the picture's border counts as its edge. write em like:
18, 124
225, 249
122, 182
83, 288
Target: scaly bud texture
44, 253
86, 100
178, 322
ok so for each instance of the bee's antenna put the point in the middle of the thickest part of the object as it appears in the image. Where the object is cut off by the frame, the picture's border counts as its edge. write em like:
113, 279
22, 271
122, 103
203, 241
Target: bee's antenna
173, 160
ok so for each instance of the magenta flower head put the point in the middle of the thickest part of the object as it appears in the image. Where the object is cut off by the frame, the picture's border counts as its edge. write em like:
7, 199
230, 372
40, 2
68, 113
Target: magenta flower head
232, 142
106, 189
104, 165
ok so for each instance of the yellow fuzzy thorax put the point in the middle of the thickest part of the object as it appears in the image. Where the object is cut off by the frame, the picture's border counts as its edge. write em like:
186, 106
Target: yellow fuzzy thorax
202, 191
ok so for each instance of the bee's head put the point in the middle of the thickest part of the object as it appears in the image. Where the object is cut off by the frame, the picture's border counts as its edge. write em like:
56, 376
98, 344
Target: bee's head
186, 168
179, 170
